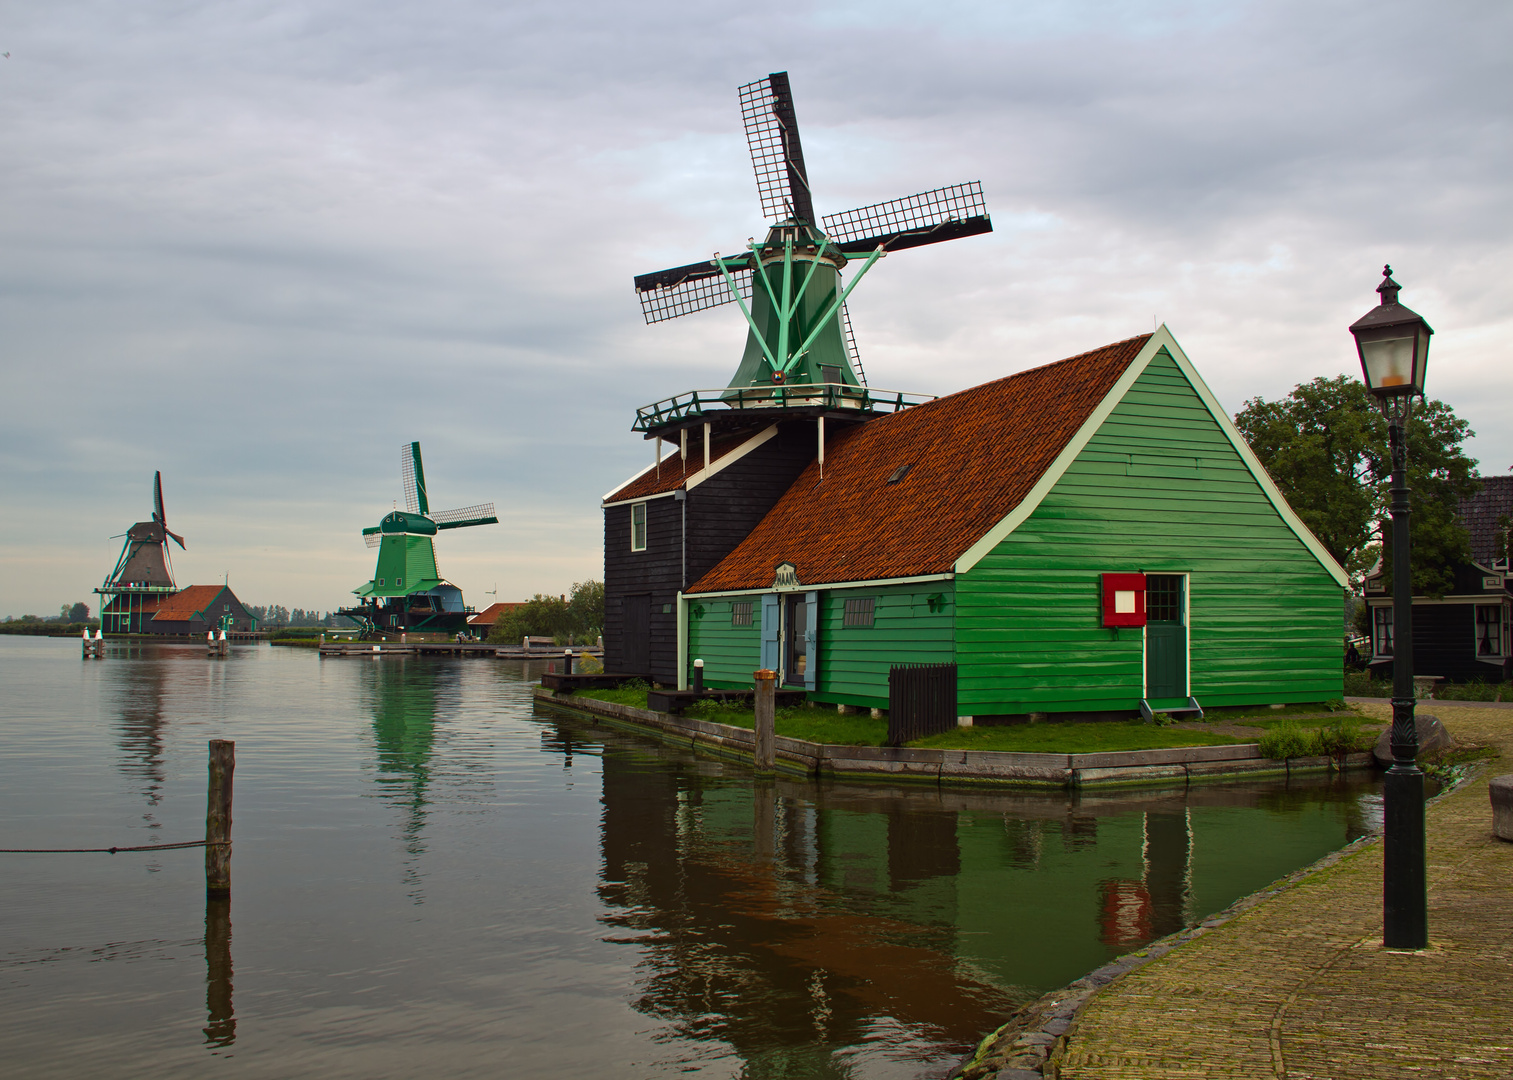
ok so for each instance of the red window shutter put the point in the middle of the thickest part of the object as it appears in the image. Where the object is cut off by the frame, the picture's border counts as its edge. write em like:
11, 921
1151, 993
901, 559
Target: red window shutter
1123, 599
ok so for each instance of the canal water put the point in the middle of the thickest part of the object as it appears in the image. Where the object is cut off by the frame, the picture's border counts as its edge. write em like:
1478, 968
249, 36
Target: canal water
433, 876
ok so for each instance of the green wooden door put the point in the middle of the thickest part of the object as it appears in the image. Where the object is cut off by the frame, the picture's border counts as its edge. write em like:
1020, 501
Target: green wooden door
1165, 640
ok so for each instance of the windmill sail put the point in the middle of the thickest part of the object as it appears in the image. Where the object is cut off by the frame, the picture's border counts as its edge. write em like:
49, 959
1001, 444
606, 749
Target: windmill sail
157, 513
772, 134
927, 218
412, 473
667, 294
481, 514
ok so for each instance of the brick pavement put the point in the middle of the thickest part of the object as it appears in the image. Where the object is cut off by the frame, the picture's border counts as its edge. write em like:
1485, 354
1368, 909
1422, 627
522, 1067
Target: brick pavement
1299, 987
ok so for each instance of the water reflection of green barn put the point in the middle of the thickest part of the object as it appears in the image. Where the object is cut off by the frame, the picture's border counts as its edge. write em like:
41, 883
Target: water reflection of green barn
785, 919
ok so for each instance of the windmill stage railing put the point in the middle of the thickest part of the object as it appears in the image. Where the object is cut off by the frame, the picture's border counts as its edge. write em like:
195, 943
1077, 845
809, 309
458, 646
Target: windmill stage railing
810, 397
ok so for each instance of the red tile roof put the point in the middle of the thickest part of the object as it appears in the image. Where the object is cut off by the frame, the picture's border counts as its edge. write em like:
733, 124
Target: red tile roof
490, 615
671, 475
187, 603
970, 458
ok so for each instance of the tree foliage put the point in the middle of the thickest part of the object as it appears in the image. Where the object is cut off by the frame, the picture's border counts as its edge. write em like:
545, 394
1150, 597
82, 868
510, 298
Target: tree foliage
1325, 445
575, 619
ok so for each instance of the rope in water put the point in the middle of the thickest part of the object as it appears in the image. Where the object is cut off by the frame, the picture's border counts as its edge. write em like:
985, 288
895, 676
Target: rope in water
111, 850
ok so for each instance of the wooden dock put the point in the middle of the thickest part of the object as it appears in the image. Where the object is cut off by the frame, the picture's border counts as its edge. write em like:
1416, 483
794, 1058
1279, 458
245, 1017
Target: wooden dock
453, 648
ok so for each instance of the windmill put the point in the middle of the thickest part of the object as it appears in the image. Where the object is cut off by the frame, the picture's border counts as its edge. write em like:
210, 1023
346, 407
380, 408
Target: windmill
144, 572
788, 285
407, 592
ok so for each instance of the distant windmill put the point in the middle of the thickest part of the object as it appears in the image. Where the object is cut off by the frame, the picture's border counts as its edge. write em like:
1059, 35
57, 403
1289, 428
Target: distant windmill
788, 285
407, 592
143, 572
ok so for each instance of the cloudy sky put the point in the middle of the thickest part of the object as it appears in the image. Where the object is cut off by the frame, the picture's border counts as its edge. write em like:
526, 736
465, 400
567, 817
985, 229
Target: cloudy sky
260, 245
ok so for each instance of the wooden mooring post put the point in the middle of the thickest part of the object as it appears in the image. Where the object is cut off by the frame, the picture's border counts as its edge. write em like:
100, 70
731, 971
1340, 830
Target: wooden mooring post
218, 818
765, 749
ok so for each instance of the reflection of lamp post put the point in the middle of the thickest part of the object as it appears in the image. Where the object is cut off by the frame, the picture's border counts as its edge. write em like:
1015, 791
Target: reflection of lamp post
1394, 346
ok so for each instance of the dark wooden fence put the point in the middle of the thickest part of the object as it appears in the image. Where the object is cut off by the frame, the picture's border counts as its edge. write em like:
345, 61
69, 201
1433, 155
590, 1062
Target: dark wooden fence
921, 701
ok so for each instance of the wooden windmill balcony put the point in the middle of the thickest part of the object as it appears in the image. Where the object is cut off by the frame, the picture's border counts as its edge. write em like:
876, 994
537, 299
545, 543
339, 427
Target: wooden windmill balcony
793, 401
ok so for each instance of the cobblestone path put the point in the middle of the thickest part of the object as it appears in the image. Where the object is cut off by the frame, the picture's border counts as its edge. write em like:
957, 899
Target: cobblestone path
1299, 986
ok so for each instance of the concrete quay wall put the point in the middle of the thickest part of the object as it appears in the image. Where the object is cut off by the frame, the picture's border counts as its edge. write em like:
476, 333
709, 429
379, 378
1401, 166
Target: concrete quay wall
1179, 765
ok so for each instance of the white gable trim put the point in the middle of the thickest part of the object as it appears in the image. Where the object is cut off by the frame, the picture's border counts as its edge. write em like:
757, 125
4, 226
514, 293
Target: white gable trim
693, 479
1016, 517
1253, 463
1162, 338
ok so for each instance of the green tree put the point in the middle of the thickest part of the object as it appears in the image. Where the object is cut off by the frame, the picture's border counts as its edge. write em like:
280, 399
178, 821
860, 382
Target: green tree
575, 620
1325, 445
79, 612
585, 605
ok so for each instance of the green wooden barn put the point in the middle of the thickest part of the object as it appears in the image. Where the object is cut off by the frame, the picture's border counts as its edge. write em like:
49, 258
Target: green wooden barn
1089, 537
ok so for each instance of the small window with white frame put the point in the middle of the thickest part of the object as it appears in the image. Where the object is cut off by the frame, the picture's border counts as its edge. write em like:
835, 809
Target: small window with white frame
1381, 631
1491, 631
638, 526
740, 613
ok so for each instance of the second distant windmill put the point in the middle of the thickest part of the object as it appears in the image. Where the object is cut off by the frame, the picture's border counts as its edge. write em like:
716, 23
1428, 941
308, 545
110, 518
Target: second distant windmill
406, 591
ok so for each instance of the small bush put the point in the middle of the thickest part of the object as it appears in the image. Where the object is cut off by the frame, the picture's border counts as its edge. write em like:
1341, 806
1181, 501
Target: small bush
1288, 740
1341, 738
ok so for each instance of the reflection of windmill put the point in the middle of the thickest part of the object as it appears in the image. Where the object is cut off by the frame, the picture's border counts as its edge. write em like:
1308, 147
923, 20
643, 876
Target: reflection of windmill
407, 592
143, 574
788, 285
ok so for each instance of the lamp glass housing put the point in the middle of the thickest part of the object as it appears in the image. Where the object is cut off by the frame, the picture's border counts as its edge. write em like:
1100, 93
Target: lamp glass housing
1392, 359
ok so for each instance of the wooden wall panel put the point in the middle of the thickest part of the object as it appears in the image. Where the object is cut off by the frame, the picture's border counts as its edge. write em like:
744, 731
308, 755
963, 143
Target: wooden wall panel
1159, 489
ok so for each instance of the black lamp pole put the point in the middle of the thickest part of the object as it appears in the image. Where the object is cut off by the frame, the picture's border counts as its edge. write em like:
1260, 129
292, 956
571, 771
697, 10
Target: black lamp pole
1394, 345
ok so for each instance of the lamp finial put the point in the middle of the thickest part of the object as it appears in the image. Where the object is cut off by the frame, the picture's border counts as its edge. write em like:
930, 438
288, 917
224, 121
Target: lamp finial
1388, 288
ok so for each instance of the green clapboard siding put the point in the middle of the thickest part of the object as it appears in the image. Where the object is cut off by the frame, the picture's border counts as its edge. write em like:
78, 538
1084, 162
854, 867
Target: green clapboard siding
854, 661
730, 653
1158, 489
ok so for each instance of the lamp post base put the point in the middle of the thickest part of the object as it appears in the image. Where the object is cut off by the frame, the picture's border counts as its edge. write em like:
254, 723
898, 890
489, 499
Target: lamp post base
1405, 886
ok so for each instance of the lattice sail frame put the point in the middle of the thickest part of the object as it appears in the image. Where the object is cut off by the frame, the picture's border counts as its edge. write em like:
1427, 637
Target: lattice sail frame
663, 302
914, 213
464, 515
777, 156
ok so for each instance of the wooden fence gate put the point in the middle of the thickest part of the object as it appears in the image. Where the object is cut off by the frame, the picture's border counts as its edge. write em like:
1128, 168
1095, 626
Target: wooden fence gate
921, 701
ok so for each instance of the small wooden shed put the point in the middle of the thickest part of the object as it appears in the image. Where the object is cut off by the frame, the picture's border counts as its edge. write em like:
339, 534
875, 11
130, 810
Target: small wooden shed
1093, 536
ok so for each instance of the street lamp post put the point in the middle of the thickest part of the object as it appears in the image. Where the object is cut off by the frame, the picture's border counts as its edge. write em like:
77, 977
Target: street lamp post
1393, 343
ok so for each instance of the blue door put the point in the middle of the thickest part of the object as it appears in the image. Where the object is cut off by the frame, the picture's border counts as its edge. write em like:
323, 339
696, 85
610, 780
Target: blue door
770, 625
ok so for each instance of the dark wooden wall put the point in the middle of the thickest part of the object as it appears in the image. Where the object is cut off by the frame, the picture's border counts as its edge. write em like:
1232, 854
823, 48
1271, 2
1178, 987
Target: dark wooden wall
1444, 644
720, 513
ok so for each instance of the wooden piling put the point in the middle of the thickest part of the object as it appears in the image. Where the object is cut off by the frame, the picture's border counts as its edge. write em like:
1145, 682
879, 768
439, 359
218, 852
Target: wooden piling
764, 819
698, 676
220, 1025
218, 818
766, 720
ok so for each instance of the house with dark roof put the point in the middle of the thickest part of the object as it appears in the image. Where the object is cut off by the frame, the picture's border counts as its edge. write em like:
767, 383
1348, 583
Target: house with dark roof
1092, 536
200, 609
1467, 634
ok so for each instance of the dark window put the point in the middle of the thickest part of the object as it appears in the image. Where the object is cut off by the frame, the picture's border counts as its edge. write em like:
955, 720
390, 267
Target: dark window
1381, 636
1490, 634
858, 612
899, 473
399, 581
1163, 598
740, 613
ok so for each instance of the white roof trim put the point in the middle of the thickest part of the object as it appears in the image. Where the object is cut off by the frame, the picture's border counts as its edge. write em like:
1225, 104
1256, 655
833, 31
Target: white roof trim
693, 479
1162, 338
